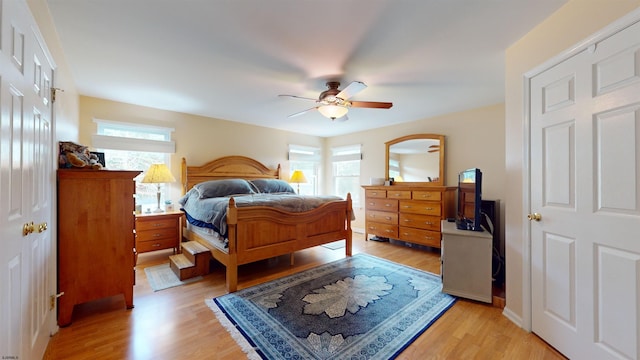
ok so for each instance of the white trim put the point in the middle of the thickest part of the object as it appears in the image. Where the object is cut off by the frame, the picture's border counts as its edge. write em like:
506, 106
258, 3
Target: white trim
615, 27
135, 125
132, 144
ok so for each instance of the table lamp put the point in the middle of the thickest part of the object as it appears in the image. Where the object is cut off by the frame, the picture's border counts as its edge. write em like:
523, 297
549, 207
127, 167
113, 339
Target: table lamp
158, 174
298, 177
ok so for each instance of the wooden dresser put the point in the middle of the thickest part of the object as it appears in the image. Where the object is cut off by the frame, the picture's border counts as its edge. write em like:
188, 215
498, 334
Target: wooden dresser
95, 237
408, 213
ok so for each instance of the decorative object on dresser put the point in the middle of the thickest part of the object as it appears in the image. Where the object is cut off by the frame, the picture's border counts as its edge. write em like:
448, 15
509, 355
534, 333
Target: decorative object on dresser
408, 213
95, 237
158, 174
158, 231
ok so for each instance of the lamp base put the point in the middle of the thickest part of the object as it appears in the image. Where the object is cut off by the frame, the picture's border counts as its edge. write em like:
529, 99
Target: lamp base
158, 210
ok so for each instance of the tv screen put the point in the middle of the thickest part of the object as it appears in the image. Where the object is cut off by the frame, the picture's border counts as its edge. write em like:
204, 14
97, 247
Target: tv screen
469, 200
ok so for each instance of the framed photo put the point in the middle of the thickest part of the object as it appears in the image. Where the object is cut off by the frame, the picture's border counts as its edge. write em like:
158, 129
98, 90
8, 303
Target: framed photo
100, 156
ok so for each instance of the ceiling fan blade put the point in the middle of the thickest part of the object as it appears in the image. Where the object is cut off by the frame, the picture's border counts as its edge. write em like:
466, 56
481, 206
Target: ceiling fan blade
298, 97
371, 104
434, 146
353, 88
433, 150
303, 112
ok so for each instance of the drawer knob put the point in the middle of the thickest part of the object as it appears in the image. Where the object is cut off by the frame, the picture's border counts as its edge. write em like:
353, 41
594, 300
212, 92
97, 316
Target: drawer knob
156, 245
388, 217
387, 205
157, 235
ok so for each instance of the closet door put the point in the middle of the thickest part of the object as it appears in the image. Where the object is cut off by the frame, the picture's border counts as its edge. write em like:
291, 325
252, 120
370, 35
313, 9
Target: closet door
585, 169
27, 258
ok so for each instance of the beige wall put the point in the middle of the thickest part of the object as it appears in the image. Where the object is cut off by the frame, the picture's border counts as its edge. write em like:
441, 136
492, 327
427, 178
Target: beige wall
571, 24
473, 138
198, 139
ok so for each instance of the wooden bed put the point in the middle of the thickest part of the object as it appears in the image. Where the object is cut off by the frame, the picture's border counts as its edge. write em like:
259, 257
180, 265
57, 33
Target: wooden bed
261, 232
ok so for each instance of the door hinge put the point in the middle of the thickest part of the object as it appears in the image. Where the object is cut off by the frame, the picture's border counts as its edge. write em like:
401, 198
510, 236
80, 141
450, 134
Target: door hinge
52, 300
53, 93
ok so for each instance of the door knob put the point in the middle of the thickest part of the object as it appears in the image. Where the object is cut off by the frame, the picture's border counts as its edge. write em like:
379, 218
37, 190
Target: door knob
534, 217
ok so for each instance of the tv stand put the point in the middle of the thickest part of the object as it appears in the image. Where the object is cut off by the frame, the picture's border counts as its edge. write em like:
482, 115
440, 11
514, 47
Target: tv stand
466, 262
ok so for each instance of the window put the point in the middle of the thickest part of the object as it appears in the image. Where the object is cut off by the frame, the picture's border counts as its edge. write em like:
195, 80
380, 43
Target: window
346, 172
135, 147
307, 159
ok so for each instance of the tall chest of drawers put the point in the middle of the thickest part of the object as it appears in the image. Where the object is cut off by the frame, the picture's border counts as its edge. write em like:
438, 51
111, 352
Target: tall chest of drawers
408, 213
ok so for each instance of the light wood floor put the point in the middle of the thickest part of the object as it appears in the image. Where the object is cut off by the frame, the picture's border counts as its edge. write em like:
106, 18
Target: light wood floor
177, 324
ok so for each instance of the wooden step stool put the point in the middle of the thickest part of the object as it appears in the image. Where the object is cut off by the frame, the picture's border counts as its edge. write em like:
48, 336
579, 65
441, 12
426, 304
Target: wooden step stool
192, 262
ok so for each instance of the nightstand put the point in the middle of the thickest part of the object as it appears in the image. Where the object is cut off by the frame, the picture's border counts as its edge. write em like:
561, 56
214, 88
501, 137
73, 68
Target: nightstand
158, 231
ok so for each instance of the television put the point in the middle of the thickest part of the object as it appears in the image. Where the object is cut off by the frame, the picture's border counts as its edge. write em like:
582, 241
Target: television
468, 215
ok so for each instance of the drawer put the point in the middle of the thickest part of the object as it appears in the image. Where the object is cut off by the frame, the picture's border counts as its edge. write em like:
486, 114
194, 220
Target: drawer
427, 195
151, 223
381, 194
384, 230
382, 217
420, 236
420, 221
420, 207
146, 246
155, 234
381, 204
398, 194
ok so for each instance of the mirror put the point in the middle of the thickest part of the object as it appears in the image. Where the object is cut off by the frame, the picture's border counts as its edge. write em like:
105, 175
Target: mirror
416, 160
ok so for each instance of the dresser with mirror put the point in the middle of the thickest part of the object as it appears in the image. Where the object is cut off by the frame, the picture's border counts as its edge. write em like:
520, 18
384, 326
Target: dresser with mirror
414, 200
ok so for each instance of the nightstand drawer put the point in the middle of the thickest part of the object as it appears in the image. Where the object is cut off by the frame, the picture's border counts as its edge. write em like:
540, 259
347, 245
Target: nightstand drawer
155, 234
154, 223
152, 245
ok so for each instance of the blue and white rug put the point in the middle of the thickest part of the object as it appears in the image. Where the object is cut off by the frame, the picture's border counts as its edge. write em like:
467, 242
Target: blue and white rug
360, 307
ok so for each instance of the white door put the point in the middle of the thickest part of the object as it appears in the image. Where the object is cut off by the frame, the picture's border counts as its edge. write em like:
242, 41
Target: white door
585, 184
27, 180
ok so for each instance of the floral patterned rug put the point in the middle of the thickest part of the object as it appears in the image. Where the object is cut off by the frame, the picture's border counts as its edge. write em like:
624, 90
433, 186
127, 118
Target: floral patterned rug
359, 307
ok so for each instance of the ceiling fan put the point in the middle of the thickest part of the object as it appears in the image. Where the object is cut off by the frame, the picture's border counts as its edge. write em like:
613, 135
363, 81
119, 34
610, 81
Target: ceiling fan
334, 103
434, 148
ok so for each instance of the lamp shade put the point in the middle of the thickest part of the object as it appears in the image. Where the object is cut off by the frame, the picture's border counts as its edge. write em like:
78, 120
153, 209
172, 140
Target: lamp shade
298, 177
333, 111
158, 173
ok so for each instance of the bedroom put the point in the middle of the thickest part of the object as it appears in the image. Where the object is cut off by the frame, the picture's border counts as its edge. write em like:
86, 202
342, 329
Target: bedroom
74, 122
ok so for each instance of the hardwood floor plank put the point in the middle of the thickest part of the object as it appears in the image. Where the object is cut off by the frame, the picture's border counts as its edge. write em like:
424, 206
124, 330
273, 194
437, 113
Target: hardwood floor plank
177, 324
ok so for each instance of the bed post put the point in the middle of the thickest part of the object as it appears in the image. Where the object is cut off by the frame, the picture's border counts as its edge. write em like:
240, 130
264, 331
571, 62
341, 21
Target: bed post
349, 238
183, 176
232, 234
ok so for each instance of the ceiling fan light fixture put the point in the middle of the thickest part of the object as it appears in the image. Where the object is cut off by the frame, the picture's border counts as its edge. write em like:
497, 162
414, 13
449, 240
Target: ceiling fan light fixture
333, 111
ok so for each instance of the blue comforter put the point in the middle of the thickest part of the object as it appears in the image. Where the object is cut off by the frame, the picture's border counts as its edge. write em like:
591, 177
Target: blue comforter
212, 212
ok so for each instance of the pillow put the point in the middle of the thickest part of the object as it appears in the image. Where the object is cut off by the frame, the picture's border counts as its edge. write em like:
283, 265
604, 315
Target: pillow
221, 188
272, 186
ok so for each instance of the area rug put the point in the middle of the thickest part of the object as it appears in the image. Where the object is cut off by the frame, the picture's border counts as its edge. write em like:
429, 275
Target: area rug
161, 277
360, 307
340, 244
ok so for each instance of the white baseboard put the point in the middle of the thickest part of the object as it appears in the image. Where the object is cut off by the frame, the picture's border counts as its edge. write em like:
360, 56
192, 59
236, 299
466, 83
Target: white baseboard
515, 318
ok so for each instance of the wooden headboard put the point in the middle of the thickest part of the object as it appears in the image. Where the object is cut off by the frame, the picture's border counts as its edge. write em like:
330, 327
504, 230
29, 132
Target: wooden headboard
228, 167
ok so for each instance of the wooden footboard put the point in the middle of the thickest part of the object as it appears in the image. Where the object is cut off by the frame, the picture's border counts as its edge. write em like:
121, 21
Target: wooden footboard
260, 232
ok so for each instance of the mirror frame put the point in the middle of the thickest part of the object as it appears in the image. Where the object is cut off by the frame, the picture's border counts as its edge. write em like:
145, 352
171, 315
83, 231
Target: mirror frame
388, 144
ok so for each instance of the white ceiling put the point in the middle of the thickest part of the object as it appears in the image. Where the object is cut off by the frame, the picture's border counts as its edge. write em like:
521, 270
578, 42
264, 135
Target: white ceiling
230, 59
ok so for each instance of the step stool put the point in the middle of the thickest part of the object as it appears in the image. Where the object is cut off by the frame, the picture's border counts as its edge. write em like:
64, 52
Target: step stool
192, 262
